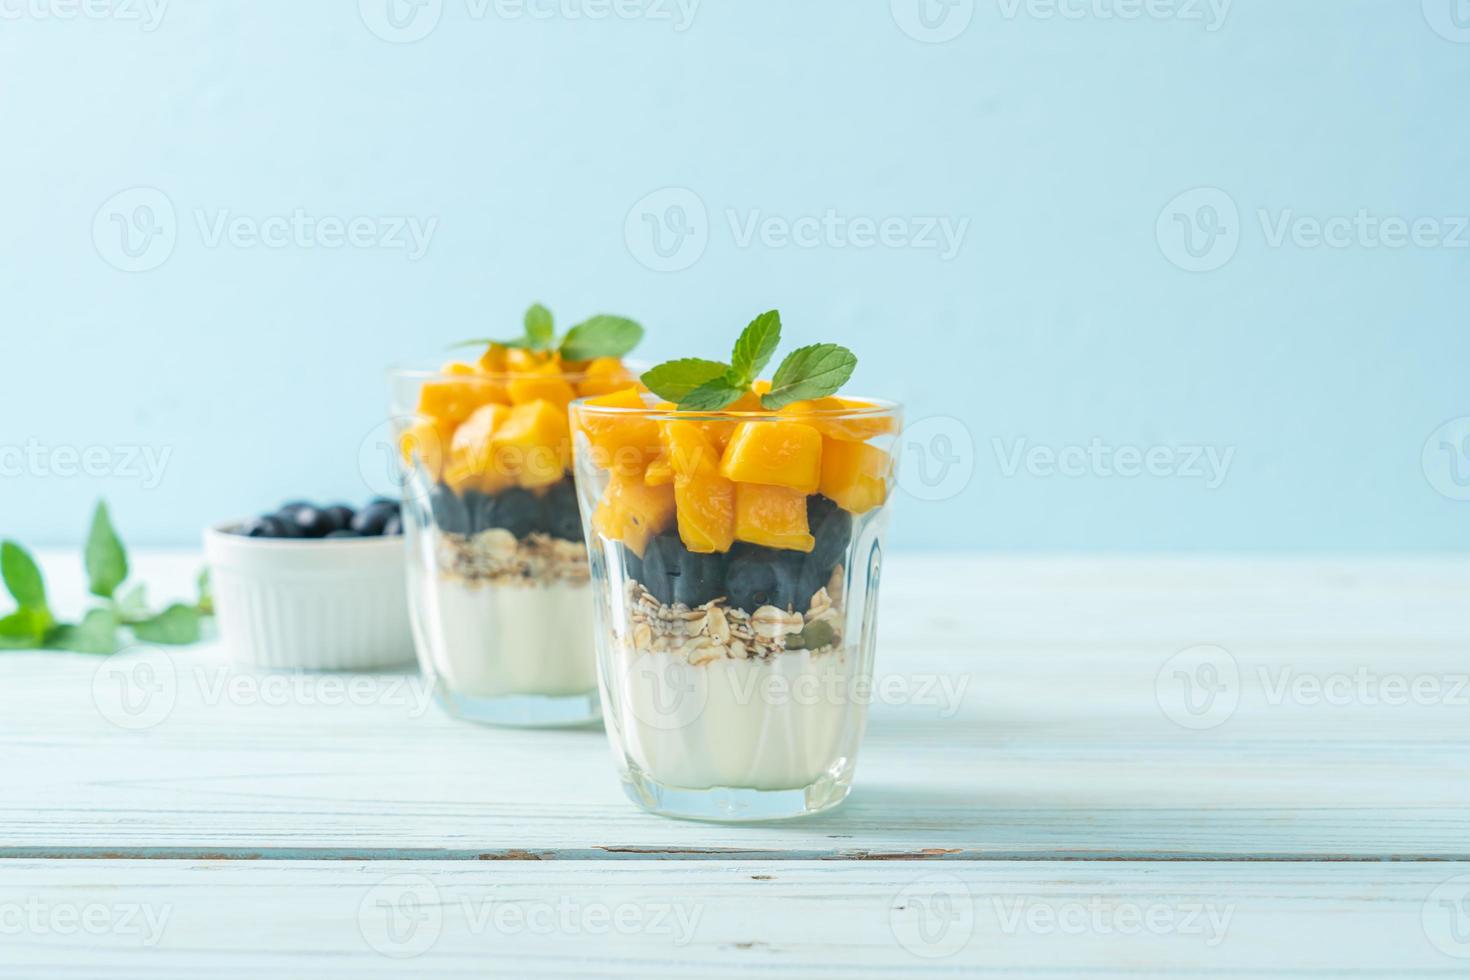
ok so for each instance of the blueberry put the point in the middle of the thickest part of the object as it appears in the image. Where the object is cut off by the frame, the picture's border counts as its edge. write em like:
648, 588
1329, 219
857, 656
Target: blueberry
383, 502
662, 561
480, 511
832, 527
264, 527
516, 510
701, 578
292, 506
338, 516
559, 514
343, 532
369, 521
632, 564
394, 526
759, 576
312, 523
289, 526
451, 512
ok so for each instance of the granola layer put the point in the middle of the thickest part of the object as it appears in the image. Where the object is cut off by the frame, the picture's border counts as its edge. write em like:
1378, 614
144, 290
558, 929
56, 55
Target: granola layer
718, 631
496, 556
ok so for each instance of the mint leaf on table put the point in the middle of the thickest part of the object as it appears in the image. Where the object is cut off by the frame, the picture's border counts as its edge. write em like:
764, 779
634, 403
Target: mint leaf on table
712, 396
754, 347
22, 577
24, 629
674, 380
133, 605
601, 336
539, 330
105, 557
810, 372
176, 625
96, 633
205, 605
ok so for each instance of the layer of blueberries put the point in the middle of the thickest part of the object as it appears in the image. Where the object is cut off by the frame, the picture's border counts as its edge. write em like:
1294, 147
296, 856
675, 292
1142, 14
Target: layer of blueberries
515, 509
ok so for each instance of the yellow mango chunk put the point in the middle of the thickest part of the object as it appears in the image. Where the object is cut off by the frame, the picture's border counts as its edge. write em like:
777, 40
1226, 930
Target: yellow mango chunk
632, 512
603, 376
623, 442
858, 428
453, 400
471, 452
706, 508
689, 447
778, 453
659, 473
534, 444
720, 430
772, 516
428, 440
855, 475
518, 360
546, 383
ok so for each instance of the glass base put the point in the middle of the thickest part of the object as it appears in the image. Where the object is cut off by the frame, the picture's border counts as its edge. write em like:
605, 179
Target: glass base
734, 804
523, 710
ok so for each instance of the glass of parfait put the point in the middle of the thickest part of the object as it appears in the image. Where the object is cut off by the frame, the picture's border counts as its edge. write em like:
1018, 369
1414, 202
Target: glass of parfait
499, 587
735, 559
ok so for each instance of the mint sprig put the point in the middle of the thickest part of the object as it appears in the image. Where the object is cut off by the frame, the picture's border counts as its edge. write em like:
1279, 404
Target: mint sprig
602, 335
697, 385
32, 626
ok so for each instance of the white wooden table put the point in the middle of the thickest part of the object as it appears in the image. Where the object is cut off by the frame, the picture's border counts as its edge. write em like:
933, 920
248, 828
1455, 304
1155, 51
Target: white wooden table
1047, 787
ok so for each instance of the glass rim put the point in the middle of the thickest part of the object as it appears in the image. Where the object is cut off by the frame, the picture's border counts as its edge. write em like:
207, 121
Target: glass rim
873, 408
406, 372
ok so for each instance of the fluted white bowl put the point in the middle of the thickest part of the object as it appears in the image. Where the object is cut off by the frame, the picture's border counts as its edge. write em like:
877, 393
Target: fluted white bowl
320, 604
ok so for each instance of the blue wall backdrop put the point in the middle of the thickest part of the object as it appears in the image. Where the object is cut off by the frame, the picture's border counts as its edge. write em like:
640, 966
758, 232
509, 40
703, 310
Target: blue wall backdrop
1151, 276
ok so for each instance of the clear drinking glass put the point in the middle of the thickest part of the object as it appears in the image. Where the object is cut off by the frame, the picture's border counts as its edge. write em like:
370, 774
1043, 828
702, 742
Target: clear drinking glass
499, 588
735, 560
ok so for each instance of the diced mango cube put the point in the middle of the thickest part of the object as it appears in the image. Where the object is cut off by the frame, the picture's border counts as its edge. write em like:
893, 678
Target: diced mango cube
546, 383
659, 473
689, 447
625, 442
706, 508
772, 516
855, 475
472, 453
533, 444
632, 512
451, 399
428, 441
819, 413
603, 376
777, 452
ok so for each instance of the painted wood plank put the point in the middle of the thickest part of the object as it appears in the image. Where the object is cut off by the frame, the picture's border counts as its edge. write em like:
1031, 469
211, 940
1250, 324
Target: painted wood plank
797, 919
1067, 743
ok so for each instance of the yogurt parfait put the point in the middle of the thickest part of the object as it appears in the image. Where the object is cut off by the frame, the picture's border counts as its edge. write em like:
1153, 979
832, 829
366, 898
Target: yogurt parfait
736, 542
498, 577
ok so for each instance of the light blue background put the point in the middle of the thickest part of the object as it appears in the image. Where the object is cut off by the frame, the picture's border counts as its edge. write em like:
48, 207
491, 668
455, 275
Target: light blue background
1061, 318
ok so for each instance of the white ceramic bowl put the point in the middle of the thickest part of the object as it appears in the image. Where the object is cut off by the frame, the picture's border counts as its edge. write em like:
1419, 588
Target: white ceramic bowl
325, 604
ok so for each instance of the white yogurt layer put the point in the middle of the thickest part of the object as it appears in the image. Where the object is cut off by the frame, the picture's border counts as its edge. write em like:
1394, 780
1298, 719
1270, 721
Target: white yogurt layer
493, 640
760, 724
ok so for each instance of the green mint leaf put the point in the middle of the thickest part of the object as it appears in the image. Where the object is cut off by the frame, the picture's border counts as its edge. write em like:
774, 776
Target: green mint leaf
96, 633
133, 605
106, 560
206, 593
22, 577
712, 396
178, 624
24, 629
754, 347
674, 380
539, 330
601, 336
809, 372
